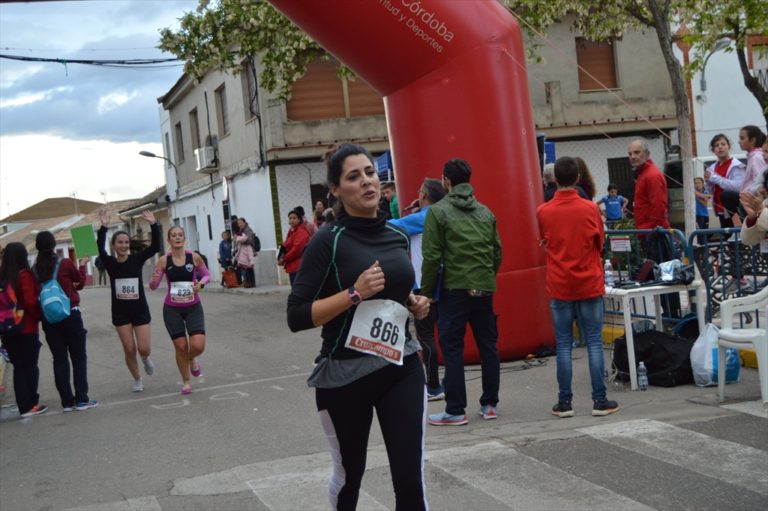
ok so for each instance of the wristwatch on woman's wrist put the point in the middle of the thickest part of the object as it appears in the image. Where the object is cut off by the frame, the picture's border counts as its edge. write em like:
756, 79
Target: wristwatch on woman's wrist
354, 295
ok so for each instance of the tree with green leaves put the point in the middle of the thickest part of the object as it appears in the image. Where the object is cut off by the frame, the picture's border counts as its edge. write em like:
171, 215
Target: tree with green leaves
219, 34
710, 21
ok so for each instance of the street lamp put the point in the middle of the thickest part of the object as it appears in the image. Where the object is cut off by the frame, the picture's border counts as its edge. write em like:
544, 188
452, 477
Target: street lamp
149, 154
721, 44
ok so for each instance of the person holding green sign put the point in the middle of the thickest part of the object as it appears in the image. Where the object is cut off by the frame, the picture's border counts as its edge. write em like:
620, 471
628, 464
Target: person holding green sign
130, 312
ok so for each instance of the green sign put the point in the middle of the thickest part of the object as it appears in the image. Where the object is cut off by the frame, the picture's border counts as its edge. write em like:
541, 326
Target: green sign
85, 241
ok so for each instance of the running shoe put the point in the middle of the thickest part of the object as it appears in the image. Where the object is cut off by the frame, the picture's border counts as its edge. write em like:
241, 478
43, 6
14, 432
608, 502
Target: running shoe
149, 366
138, 385
196, 371
435, 393
186, 389
604, 407
563, 409
446, 419
86, 405
488, 412
66, 409
38, 409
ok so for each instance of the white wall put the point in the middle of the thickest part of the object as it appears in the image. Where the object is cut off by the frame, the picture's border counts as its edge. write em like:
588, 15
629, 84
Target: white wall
597, 152
293, 188
725, 106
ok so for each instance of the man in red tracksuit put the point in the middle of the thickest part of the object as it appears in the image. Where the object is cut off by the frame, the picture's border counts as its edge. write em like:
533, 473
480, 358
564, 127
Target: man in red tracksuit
651, 199
572, 234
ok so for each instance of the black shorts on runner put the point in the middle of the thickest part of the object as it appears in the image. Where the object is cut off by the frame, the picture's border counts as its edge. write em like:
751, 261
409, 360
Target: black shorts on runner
135, 316
180, 321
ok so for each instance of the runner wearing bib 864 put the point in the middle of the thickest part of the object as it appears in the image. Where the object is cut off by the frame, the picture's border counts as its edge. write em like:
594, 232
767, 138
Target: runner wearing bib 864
130, 312
182, 310
355, 282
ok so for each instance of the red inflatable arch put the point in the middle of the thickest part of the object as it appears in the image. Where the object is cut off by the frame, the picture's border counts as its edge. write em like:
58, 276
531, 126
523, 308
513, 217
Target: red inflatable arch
454, 84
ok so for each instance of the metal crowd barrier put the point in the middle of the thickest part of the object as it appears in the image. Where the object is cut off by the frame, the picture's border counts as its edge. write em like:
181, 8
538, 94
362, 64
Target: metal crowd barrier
727, 267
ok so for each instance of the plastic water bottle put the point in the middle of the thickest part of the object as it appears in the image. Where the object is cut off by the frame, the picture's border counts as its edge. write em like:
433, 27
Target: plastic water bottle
642, 376
608, 269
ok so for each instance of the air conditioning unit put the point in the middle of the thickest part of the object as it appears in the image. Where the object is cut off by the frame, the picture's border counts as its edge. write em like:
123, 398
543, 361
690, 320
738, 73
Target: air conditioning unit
206, 159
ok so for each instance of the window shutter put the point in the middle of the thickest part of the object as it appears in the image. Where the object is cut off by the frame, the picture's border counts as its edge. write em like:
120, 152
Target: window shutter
598, 60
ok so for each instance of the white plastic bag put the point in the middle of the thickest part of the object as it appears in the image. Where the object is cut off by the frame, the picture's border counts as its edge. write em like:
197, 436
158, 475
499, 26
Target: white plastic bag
701, 356
704, 360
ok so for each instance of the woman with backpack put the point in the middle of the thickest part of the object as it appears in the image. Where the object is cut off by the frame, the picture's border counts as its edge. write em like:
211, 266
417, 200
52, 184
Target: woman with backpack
130, 312
65, 337
182, 310
19, 326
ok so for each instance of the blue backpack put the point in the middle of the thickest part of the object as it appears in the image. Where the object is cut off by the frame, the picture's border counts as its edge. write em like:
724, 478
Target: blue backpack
53, 300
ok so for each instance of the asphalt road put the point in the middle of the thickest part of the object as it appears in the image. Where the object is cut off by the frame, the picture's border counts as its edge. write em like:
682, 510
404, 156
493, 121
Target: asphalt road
248, 438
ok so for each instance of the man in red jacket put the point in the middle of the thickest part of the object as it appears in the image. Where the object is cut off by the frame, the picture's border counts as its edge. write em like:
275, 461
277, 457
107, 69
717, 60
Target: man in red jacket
572, 234
650, 188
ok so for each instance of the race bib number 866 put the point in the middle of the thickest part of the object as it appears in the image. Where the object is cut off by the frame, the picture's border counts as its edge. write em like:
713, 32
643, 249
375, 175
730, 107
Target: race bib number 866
378, 328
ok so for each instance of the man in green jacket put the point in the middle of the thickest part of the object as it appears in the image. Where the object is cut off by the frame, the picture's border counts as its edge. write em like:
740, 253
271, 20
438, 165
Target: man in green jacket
462, 253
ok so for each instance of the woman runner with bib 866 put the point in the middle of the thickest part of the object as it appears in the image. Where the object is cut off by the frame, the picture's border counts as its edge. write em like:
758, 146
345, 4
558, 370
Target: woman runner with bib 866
355, 281
130, 312
182, 310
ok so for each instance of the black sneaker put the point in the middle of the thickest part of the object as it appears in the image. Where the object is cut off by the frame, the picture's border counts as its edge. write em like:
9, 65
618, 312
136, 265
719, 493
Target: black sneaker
604, 407
563, 409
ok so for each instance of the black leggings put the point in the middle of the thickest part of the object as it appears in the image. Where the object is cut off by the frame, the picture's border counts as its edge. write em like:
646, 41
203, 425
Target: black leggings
346, 414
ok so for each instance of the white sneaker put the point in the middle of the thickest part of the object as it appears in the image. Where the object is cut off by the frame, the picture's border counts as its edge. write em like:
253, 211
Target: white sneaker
138, 385
149, 367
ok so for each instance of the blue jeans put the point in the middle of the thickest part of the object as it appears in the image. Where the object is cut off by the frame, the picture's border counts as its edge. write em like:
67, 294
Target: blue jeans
589, 314
455, 309
67, 341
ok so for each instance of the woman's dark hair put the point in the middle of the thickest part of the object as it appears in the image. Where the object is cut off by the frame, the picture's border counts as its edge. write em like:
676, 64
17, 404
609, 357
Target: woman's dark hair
14, 260
765, 179
336, 161
299, 210
719, 136
295, 212
585, 178
118, 233
45, 244
753, 132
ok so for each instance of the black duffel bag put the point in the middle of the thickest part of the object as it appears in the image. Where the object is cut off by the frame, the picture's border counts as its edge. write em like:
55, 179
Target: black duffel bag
667, 358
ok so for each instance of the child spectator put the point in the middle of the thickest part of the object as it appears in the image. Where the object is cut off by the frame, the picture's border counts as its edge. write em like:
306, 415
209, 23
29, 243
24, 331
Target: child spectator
702, 201
615, 206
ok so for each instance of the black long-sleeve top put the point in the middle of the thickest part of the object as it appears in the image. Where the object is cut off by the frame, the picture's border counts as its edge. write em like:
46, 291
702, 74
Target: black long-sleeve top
335, 257
130, 268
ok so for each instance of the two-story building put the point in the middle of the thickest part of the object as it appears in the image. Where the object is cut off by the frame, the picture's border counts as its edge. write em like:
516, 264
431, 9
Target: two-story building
238, 150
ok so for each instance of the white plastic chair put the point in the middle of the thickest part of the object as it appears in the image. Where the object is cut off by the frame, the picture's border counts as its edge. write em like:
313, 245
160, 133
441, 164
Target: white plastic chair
741, 338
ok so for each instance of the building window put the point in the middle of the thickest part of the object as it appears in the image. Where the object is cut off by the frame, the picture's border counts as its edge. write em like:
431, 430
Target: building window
167, 144
179, 144
598, 60
222, 111
757, 58
194, 129
250, 94
321, 94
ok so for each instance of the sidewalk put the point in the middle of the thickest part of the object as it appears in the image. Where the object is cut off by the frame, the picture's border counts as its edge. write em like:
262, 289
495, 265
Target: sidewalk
257, 291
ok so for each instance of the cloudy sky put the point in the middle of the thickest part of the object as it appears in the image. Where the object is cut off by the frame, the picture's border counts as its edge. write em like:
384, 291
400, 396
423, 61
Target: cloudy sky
75, 128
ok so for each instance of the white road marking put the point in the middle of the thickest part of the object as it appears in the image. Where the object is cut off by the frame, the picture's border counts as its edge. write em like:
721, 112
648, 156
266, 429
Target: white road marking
757, 408
727, 461
526, 487
171, 406
138, 504
232, 394
277, 387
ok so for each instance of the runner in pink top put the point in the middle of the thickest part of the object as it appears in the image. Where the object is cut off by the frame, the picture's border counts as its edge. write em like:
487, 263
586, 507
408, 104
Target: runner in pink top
182, 311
